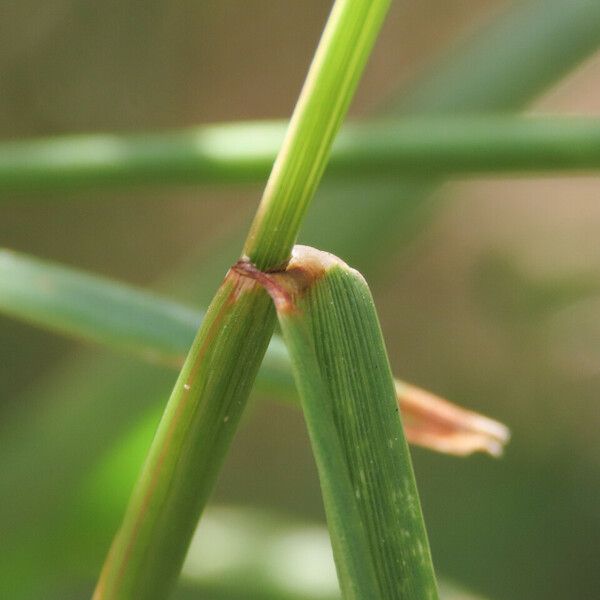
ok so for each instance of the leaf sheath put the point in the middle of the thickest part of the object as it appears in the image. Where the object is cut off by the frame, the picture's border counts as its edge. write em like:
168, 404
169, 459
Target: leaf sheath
192, 439
341, 368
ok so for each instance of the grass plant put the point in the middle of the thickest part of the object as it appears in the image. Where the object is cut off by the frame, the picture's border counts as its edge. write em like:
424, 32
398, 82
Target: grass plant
212, 388
210, 395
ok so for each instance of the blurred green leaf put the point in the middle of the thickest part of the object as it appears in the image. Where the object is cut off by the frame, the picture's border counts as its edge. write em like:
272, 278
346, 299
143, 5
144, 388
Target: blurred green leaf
244, 152
522, 52
91, 307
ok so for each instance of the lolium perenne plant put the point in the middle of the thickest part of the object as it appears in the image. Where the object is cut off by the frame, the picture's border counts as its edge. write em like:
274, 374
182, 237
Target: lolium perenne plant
206, 404
332, 342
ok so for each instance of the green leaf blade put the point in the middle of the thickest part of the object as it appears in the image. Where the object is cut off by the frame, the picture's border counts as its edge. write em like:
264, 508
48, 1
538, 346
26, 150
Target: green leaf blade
356, 570
343, 375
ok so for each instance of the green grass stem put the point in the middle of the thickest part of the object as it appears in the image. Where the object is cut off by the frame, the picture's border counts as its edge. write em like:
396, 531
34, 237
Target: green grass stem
332, 79
189, 446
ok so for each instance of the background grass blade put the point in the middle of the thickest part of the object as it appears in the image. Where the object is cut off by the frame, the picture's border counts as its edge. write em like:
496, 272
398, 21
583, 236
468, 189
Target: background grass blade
244, 152
518, 55
279, 575
348, 398
486, 74
91, 307
279, 572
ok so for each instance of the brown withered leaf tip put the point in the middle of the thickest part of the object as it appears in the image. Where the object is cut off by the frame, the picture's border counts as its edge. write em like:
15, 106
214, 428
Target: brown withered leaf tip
437, 424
